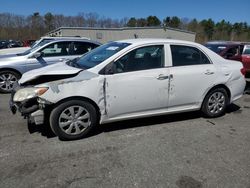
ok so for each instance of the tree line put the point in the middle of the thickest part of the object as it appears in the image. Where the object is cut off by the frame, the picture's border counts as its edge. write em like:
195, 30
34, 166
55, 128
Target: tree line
19, 27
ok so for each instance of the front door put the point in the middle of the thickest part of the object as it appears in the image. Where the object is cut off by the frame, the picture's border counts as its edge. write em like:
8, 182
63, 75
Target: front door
52, 53
139, 83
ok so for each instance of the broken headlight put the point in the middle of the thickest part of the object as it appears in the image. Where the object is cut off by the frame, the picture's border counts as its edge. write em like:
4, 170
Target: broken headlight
28, 93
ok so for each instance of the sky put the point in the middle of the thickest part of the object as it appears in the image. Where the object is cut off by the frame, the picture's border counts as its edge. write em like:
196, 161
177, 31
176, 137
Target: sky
230, 10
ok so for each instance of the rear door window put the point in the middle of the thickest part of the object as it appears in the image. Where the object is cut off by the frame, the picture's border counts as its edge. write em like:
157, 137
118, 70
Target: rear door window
187, 55
80, 48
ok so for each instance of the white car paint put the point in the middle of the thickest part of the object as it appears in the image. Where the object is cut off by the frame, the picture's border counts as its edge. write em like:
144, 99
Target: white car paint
54, 69
141, 93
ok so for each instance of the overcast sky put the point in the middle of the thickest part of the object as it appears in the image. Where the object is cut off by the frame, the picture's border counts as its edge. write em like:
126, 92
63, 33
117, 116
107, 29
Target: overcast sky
230, 10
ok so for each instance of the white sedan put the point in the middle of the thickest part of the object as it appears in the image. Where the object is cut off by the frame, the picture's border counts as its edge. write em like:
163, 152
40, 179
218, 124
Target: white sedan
128, 79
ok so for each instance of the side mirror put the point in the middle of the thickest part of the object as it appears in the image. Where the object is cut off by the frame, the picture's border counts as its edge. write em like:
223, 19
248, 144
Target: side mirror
37, 55
109, 69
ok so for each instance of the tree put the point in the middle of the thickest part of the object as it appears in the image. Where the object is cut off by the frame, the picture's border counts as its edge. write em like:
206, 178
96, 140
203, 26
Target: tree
36, 25
208, 26
153, 21
132, 22
141, 22
48, 20
193, 25
175, 22
91, 19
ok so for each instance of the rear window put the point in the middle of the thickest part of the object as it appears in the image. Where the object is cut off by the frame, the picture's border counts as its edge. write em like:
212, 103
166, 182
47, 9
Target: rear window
247, 50
217, 48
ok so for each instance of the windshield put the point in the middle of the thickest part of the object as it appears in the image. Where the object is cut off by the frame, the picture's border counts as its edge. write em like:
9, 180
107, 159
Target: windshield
217, 48
34, 47
100, 54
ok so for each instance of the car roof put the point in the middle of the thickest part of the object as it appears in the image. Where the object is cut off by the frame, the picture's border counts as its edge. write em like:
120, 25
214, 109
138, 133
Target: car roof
156, 40
76, 37
74, 40
231, 43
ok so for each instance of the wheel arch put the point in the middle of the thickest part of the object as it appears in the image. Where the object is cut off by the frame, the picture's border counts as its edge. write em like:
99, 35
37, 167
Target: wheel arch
216, 87
11, 69
78, 98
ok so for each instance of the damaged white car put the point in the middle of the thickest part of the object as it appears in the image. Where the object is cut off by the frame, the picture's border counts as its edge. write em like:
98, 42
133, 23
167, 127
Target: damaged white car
125, 80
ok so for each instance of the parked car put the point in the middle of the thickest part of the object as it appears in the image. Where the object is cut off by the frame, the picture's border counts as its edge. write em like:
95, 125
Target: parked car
3, 44
239, 51
125, 80
28, 43
12, 67
38, 43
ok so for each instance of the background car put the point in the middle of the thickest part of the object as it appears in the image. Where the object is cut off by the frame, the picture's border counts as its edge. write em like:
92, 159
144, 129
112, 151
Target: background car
239, 51
43, 40
125, 80
12, 67
3, 44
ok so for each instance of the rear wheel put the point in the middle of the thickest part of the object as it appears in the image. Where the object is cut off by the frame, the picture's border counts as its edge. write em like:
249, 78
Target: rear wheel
73, 119
8, 79
215, 103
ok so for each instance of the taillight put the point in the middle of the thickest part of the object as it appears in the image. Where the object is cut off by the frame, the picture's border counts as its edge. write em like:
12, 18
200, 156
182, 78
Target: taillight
243, 71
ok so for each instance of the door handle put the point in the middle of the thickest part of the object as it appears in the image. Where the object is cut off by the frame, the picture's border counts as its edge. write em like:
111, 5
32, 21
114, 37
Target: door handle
162, 77
209, 72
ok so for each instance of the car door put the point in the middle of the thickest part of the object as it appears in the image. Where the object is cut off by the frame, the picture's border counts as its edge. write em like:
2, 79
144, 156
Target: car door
246, 57
139, 82
81, 47
191, 74
234, 53
50, 54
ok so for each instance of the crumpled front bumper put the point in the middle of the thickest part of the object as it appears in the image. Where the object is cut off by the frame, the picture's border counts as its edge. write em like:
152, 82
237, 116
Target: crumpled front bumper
29, 108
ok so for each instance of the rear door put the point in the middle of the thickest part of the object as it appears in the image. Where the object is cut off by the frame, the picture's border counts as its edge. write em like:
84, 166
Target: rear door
191, 74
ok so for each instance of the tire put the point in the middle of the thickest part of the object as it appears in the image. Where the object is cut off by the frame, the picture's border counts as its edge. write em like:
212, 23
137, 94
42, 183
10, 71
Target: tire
73, 119
215, 103
8, 79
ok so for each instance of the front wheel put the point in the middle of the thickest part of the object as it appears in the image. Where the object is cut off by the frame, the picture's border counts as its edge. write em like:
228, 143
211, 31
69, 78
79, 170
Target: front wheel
8, 79
73, 119
215, 103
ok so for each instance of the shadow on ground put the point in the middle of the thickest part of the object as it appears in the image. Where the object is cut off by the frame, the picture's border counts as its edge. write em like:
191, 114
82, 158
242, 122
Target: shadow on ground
46, 131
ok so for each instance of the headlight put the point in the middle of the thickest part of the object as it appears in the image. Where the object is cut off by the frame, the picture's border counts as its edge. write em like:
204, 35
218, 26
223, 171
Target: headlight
28, 93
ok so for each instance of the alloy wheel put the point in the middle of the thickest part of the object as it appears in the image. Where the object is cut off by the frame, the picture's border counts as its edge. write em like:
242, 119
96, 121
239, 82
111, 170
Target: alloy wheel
7, 81
74, 120
216, 102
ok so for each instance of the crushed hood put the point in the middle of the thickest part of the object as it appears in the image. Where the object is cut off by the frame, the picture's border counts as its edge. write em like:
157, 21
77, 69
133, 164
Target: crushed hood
57, 71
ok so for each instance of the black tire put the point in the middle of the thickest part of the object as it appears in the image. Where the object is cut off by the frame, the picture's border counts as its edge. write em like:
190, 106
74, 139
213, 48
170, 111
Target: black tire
69, 129
8, 86
215, 103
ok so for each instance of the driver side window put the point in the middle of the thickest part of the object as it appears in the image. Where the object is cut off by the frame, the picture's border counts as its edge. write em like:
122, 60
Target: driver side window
56, 49
144, 58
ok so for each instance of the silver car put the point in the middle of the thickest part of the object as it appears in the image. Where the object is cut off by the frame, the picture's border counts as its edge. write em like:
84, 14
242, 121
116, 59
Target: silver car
12, 67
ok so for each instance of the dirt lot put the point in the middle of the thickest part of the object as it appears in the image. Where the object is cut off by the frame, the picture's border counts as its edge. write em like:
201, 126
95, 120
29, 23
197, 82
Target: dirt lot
182, 151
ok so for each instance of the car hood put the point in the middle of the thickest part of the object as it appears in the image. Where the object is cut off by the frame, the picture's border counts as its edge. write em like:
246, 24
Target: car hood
7, 56
58, 70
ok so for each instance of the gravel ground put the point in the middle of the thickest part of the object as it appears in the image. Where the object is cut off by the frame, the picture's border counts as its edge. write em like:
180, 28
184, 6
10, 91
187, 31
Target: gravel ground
182, 151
